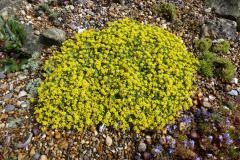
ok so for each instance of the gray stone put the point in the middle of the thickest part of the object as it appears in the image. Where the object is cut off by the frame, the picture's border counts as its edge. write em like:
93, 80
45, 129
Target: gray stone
24, 104
53, 36
7, 96
22, 94
142, 147
13, 123
9, 108
36, 156
207, 104
226, 8
2, 75
220, 28
32, 43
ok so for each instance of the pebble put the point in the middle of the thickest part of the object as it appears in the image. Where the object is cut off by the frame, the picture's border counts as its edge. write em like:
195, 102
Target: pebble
142, 147
22, 94
57, 135
14, 123
109, 141
234, 81
233, 93
207, 104
2, 75
24, 104
32, 152
37, 32
7, 96
148, 139
64, 144
101, 128
9, 108
36, 156
43, 157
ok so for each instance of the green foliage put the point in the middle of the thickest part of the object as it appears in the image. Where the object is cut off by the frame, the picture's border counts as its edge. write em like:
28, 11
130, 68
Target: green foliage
182, 138
206, 68
222, 46
53, 16
203, 44
13, 34
224, 68
43, 7
234, 152
166, 10
214, 66
9, 65
125, 75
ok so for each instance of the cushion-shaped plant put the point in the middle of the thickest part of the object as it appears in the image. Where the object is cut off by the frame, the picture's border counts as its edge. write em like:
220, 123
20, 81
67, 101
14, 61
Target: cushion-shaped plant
127, 75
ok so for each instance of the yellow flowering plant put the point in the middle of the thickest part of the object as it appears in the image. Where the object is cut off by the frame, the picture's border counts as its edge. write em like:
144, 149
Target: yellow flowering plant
127, 75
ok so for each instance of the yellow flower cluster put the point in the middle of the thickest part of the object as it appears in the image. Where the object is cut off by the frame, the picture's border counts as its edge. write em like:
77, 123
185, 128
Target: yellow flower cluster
127, 75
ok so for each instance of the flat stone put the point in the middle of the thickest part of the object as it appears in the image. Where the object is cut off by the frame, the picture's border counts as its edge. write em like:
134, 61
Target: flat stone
9, 108
22, 94
7, 96
53, 36
13, 123
220, 28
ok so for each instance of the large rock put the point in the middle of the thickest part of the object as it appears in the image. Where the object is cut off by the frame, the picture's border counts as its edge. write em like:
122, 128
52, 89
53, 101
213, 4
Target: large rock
220, 28
53, 36
227, 8
32, 43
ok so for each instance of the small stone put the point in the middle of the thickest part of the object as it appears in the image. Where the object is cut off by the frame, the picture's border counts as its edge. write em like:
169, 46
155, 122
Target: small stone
194, 134
2, 75
13, 123
36, 156
22, 94
64, 144
208, 10
207, 104
101, 128
32, 152
142, 147
37, 32
9, 108
148, 139
24, 104
7, 96
234, 81
43, 157
233, 93
57, 135
23, 12
211, 97
108, 141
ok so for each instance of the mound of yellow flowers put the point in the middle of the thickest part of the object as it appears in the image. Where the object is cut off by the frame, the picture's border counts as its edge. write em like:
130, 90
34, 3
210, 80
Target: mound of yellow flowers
127, 75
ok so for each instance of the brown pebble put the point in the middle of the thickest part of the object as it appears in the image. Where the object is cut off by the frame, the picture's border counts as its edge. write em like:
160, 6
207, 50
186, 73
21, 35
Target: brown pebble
57, 135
